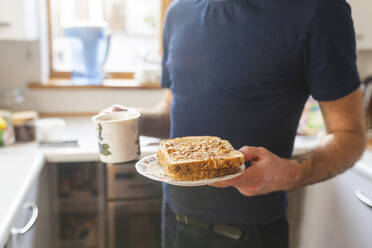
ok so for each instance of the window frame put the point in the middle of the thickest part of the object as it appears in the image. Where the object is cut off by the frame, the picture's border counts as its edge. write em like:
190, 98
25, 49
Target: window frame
53, 74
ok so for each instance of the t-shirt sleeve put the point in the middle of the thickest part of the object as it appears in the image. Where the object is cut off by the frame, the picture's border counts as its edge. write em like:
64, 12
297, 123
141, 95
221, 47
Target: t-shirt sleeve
165, 80
331, 57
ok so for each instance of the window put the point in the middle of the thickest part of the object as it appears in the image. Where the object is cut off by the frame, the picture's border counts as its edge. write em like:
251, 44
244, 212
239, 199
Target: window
135, 27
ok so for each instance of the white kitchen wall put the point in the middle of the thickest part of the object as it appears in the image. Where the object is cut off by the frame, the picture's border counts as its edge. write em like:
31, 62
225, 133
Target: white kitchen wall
88, 100
19, 63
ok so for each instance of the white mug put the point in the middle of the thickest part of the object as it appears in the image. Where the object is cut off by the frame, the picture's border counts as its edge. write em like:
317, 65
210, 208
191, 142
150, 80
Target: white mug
118, 136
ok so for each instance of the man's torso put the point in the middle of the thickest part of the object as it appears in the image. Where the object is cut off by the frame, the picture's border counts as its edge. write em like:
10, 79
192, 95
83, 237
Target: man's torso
237, 71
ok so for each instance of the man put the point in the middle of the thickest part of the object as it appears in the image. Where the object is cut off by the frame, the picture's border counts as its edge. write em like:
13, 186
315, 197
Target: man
243, 70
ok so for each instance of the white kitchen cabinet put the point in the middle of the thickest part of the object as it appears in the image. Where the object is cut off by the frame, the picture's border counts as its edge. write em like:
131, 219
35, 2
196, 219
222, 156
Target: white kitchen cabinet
19, 19
334, 217
362, 16
39, 236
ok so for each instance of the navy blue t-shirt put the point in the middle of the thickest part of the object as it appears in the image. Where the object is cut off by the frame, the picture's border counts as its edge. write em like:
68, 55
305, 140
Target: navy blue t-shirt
242, 70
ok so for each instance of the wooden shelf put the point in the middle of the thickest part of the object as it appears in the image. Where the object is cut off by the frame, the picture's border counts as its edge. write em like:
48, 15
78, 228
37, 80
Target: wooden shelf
107, 84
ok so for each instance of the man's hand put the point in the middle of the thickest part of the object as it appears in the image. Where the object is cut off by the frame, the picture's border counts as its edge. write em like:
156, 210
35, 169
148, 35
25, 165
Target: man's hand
154, 121
266, 174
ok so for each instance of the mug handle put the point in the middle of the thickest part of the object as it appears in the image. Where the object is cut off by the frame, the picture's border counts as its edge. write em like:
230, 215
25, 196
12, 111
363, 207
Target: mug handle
108, 38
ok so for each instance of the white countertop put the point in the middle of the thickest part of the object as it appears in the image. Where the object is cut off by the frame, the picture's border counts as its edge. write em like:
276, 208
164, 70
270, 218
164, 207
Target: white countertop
81, 129
21, 163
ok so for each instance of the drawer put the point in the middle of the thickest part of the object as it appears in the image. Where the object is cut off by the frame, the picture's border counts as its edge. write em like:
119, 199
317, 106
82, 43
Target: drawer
123, 181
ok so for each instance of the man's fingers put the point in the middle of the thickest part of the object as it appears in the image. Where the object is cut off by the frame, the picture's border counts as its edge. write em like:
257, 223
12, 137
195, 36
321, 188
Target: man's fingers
249, 177
227, 183
219, 185
252, 153
114, 108
118, 108
255, 177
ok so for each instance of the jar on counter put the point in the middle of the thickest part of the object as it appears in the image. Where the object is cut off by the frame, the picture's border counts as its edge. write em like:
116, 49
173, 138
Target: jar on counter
6, 128
25, 125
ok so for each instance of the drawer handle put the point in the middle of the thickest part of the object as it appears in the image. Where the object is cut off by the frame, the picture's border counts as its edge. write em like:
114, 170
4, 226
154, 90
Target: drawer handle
121, 176
30, 223
363, 198
5, 24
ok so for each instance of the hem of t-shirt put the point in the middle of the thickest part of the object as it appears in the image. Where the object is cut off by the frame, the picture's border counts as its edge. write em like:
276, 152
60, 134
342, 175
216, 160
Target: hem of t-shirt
330, 95
220, 1
229, 220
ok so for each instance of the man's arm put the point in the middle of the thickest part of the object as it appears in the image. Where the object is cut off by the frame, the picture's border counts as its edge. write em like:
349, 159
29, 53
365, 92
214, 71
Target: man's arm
343, 145
156, 121
341, 148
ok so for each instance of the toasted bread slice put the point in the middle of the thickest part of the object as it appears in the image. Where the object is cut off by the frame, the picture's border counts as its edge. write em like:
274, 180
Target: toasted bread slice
198, 157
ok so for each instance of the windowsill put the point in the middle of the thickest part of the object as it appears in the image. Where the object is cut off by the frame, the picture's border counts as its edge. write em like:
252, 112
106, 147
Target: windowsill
107, 84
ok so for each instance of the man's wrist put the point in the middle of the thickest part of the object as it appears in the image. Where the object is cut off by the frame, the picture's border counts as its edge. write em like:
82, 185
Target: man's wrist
141, 121
299, 166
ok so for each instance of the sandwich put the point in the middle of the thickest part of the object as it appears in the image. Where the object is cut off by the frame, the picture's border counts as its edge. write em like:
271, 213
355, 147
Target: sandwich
198, 157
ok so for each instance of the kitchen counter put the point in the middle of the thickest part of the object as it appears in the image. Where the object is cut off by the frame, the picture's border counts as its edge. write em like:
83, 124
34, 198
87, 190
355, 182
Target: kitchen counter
81, 129
21, 163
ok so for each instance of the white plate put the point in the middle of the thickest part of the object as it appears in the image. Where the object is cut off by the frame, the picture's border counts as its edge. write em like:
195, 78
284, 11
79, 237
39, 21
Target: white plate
149, 167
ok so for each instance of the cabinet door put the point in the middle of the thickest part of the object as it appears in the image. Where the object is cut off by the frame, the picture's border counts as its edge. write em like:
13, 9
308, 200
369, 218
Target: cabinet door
6, 10
42, 231
39, 235
362, 16
11, 19
334, 217
18, 19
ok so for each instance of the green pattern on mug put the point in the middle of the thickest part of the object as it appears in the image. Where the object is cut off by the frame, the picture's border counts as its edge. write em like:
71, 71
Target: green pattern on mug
99, 129
104, 149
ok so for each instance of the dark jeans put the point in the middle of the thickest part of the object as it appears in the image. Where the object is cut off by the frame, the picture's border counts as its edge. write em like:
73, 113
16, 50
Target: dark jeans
179, 235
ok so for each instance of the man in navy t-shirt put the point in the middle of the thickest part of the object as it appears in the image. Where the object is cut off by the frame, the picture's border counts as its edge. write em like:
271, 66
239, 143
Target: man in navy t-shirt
243, 70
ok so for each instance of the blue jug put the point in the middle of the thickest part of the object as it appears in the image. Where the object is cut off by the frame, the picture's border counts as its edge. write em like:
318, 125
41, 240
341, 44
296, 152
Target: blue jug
89, 47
